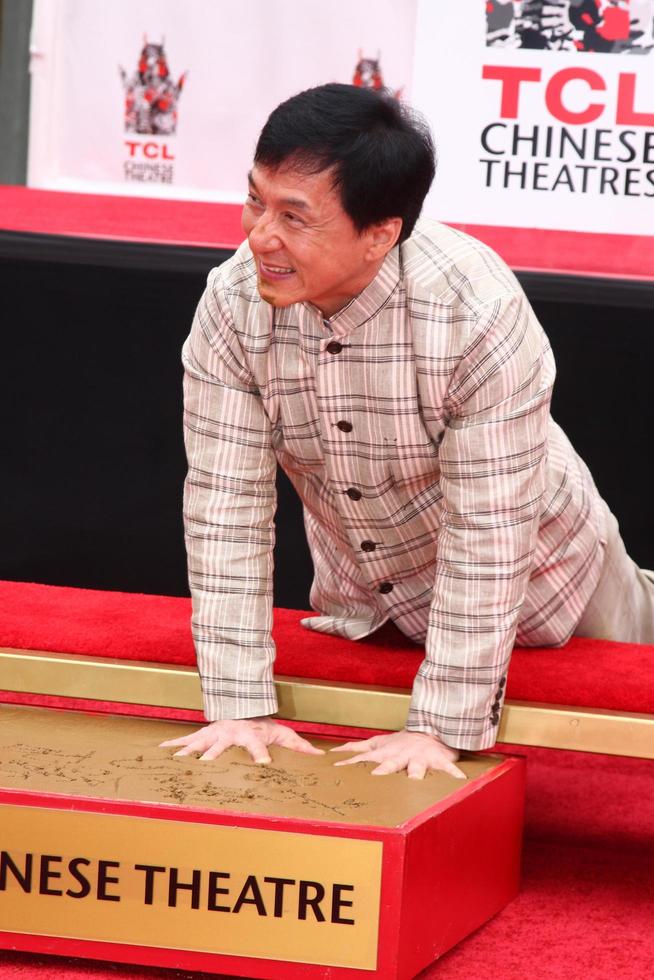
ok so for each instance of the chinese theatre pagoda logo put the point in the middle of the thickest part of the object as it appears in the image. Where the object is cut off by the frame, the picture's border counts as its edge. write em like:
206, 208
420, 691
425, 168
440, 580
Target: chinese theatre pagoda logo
368, 74
603, 26
151, 99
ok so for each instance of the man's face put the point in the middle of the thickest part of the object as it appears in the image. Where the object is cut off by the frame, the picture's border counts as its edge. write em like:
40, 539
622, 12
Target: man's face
305, 246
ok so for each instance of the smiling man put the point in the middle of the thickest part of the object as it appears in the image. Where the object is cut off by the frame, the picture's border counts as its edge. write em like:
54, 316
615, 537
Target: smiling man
399, 376
305, 246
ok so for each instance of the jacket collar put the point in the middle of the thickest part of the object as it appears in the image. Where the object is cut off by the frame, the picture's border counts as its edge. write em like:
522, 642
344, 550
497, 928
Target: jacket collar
369, 302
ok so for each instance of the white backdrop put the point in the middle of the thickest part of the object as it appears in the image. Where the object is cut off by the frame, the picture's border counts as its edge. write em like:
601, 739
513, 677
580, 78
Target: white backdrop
448, 87
242, 57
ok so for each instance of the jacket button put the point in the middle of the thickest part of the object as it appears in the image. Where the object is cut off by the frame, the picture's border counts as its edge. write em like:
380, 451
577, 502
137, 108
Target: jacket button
334, 347
386, 587
344, 426
495, 720
353, 493
501, 682
368, 545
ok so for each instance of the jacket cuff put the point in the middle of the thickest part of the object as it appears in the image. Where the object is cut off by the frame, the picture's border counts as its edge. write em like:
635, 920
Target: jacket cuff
228, 701
449, 731
437, 708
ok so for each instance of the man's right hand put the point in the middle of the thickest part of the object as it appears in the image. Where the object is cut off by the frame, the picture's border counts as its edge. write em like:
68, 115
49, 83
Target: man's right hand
252, 734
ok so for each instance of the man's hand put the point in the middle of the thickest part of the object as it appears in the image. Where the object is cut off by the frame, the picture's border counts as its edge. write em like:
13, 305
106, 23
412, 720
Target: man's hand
414, 751
252, 734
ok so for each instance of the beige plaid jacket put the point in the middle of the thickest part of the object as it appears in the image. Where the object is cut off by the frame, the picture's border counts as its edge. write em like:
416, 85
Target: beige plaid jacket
437, 491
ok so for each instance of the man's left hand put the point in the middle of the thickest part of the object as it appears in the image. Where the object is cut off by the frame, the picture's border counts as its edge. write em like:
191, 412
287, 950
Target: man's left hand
414, 751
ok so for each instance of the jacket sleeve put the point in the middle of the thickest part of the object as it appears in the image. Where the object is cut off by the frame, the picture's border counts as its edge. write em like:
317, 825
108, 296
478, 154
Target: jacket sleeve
492, 459
229, 505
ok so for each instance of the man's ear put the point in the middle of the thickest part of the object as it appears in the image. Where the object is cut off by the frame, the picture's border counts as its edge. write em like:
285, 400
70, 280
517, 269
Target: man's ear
383, 236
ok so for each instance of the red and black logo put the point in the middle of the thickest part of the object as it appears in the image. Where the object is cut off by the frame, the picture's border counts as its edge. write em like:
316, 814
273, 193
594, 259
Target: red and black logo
151, 95
368, 74
604, 26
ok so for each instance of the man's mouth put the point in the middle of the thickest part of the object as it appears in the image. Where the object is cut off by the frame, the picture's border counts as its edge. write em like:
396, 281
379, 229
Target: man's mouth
270, 271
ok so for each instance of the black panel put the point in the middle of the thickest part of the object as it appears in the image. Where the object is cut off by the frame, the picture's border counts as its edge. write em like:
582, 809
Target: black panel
604, 400
93, 454
91, 440
551, 287
99, 252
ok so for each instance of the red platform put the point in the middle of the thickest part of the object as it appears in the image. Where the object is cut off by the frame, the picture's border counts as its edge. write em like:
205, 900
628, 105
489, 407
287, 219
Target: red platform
113, 849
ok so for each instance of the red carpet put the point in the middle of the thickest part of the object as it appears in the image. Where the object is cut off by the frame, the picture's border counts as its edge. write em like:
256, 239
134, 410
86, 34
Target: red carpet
586, 908
585, 673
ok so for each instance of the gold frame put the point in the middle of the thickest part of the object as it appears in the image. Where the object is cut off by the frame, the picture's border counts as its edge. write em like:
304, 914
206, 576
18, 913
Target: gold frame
308, 700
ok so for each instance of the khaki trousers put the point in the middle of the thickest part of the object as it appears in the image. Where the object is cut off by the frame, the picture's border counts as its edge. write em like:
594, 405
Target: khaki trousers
622, 606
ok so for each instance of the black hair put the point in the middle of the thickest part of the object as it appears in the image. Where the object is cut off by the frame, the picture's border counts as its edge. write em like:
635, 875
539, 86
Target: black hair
381, 152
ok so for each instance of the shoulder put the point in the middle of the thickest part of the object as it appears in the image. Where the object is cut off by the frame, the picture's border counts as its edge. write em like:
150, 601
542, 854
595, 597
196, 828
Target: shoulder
235, 281
226, 319
451, 268
463, 298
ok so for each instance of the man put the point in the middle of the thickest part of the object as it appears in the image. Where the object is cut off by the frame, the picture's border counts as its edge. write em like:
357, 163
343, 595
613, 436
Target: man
400, 378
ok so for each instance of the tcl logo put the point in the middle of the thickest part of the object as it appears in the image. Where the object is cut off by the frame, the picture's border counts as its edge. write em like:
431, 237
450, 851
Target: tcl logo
151, 151
512, 77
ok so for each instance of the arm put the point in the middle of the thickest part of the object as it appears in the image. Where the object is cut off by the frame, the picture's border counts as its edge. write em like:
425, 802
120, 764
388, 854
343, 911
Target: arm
229, 504
492, 461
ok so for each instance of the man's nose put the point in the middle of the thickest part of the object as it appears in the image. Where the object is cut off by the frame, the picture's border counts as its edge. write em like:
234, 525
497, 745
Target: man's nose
265, 234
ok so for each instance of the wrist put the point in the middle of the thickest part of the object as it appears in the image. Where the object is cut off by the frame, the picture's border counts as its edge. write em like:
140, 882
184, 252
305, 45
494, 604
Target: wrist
454, 752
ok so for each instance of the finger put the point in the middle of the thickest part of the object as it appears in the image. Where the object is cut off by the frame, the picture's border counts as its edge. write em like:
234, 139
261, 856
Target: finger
356, 746
214, 751
291, 740
387, 767
362, 757
416, 770
307, 748
175, 741
257, 749
190, 748
453, 770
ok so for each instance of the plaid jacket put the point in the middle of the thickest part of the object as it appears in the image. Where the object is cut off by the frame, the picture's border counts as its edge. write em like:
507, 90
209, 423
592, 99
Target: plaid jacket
437, 491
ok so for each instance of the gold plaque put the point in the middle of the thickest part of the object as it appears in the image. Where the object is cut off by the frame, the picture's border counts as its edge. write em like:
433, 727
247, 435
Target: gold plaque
193, 886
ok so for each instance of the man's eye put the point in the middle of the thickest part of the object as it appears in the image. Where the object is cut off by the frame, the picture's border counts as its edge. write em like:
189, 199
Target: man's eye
294, 218
253, 199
